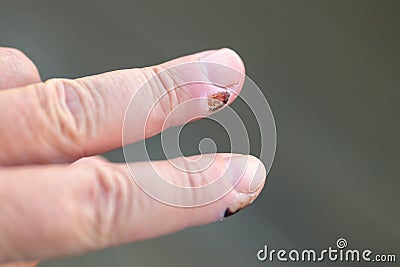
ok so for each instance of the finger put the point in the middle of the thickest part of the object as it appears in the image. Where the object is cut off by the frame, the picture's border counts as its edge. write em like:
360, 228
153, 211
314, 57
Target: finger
21, 264
62, 120
57, 211
16, 69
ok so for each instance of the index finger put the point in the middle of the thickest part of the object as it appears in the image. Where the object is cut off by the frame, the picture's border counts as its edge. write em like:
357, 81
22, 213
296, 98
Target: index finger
62, 120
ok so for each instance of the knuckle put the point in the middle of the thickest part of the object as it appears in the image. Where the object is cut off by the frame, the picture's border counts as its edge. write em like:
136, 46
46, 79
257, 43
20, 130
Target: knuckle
109, 199
67, 105
164, 85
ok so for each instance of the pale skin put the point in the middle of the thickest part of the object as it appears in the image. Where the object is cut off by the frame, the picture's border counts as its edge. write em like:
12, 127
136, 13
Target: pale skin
57, 197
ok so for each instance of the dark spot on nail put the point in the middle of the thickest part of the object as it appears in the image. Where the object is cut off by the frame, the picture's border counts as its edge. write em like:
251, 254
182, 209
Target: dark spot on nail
228, 212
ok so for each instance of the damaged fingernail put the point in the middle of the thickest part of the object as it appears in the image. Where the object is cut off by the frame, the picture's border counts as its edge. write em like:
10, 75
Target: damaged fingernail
218, 100
241, 201
243, 171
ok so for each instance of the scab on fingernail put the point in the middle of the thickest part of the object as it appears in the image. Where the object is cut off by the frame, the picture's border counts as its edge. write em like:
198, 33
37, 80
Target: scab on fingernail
241, 201
218, 100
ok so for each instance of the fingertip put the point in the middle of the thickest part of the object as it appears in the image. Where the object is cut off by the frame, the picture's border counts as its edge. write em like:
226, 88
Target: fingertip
259, 174
227, 68
247, 173
16, 69
224, 56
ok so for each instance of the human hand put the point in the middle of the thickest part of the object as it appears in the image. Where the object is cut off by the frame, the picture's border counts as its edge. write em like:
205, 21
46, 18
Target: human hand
58, 199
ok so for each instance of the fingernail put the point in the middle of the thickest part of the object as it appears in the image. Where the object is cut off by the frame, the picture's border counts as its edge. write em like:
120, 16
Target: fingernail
260, 174
242, 200
226, 68
247, 174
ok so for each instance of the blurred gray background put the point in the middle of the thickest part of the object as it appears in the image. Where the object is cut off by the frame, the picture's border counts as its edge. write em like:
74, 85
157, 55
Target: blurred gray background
330, 71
